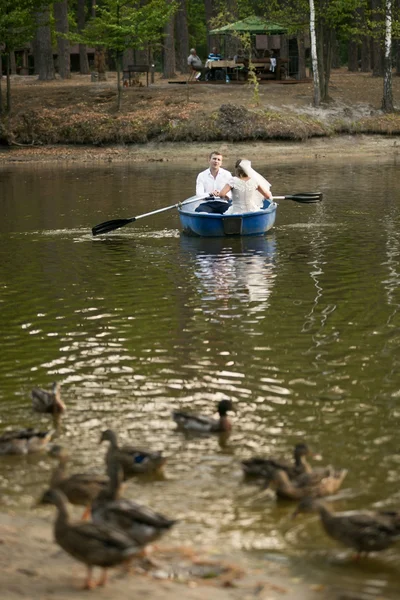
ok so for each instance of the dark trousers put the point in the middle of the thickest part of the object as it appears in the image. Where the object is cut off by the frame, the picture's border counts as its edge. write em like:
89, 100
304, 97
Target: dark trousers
213, 206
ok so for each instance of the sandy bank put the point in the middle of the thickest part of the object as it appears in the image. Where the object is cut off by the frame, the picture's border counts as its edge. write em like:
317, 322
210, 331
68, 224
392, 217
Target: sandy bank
34, 567
313, 149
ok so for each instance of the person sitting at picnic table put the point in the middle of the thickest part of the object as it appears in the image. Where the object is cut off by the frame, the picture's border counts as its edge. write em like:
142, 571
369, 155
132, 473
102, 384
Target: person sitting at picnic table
214, 55
248, 187
194, 62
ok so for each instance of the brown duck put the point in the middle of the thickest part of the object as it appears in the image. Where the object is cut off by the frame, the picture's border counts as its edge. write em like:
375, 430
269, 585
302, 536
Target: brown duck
25, 441
203, 424
363, 530
316, 484
90, 543
140, 523
79, 488
133, 461
264, 467
48, 402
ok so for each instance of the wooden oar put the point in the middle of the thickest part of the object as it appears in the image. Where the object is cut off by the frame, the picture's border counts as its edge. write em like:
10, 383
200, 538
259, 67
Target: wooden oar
305, 197
117, 223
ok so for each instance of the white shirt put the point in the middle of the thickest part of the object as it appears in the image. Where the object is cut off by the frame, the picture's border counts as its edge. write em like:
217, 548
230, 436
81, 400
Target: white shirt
206, 183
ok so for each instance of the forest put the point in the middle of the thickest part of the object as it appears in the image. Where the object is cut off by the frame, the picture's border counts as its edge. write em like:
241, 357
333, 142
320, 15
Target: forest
52, 40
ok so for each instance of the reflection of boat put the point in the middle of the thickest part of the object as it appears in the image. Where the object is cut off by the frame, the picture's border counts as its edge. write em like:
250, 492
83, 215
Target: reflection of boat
257, 244
234, 267
220, 225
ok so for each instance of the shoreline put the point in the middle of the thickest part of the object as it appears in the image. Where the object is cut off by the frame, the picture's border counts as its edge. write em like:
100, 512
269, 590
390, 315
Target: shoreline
33, 566
336, 147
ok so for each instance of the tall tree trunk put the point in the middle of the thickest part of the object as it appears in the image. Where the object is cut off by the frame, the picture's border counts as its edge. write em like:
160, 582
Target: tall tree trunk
83, 57
169, 50
209, 6
352, 63
13, 63
387, 101
99, 54
376, 50
100, 62
182, 36
63, 47
397, 54
335, 52
43, 47
314, 56
365, 55
8, 66
302, 56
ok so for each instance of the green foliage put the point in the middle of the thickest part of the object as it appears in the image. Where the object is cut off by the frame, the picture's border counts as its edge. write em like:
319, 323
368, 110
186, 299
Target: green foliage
197, 26
17, 23
122, 24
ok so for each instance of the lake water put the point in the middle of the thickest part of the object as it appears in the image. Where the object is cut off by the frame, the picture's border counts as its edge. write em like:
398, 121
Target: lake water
301, 328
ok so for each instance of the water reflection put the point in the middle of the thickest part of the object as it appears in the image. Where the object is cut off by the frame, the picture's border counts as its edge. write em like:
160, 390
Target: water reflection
299, 328
241, 268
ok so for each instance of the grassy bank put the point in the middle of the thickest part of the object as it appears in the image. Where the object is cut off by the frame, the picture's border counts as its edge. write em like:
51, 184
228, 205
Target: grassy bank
79, 112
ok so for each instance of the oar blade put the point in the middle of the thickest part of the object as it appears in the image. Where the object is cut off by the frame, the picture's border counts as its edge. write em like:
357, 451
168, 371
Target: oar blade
306, 197
108, 226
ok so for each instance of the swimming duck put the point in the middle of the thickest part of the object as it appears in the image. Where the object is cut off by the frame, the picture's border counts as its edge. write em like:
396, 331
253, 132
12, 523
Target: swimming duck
141, 524
91, 543
80, 488
25, 441
363, 530
203, 424
132, 460
261, 467
48, 402
316, 484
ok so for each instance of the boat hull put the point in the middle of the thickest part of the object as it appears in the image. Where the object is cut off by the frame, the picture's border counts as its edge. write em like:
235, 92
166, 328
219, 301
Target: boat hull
216, 225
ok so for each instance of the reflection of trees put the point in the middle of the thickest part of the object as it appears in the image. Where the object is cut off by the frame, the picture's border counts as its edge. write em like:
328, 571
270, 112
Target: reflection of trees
317, 246
391, 283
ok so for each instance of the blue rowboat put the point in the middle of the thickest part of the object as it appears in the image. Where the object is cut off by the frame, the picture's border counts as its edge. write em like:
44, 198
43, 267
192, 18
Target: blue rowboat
219, 225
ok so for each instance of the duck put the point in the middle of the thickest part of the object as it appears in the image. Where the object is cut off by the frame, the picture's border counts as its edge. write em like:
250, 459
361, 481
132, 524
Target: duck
316, 484
203, 424
94, 544
48, 402
25, 441
132, 460
140, 523
80, 488
364, 531
261, 467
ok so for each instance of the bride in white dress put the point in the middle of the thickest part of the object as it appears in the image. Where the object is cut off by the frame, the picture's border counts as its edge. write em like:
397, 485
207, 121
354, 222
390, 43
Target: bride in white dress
248, 187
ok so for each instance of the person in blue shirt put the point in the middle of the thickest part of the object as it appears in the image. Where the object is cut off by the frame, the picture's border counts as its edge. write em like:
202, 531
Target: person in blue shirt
215, 73
214, 55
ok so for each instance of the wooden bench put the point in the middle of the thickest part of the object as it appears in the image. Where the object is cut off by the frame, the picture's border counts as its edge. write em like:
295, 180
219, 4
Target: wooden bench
131, 69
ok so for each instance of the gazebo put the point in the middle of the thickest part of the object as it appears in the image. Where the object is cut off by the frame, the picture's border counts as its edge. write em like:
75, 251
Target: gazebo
266, 33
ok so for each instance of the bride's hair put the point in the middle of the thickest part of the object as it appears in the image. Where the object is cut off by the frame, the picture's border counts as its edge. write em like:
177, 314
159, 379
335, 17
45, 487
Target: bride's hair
238, 169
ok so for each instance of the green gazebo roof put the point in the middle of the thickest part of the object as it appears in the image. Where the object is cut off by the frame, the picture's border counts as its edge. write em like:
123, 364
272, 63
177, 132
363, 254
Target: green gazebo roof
255, 25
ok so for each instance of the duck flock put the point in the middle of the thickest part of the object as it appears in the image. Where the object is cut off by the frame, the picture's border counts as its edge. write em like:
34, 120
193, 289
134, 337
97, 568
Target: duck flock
114, 529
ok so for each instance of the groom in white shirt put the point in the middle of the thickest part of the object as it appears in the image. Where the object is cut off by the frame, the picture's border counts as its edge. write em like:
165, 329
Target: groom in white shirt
212, 180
